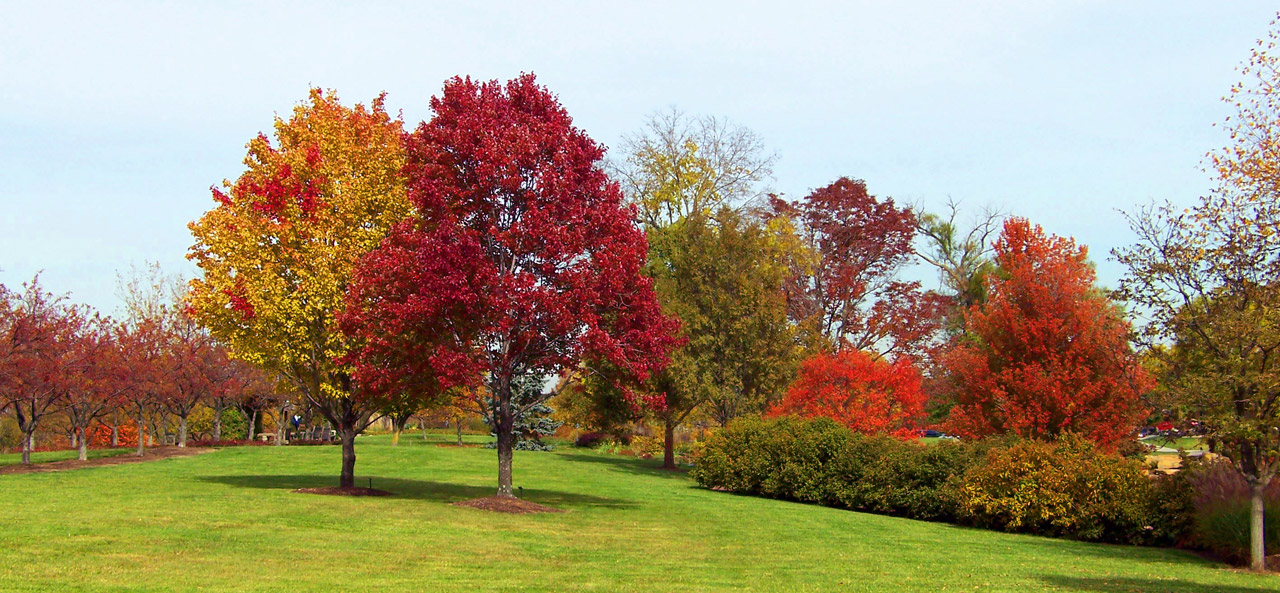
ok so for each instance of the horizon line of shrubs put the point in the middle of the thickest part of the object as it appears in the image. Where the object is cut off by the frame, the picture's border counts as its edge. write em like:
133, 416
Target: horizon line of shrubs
1067, 488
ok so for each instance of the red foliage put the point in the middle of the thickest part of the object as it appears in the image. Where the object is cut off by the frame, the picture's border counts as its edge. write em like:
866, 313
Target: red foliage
851, 296
100, 436
523, 258
867, 394
1047, 353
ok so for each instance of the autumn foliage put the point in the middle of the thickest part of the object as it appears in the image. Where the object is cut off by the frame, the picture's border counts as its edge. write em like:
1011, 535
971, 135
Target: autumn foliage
868, 394
521, 260
1047, 353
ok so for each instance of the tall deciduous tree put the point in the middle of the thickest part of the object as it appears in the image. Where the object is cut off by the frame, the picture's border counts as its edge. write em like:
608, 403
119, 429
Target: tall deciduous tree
679, 165
523, 259
39, 334
1048, 352
715, 265
865, 393
278, 249
843, 289
1208, 280
98, 386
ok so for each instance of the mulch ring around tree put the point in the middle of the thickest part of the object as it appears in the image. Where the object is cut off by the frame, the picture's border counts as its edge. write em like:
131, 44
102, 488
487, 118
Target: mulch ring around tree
341, 491
57, 466
506, 504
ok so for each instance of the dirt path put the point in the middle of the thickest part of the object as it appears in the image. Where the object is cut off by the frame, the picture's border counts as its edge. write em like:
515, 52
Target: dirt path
57, 466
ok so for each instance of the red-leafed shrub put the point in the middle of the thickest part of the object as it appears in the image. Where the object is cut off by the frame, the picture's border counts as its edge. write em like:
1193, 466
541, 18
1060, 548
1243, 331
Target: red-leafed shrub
868, 395
100, 436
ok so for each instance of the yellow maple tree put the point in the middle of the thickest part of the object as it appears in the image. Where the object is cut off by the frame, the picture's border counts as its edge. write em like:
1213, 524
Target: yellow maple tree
279, 246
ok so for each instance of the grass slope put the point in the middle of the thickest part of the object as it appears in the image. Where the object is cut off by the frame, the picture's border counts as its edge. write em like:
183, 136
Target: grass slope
46, 456
227, 521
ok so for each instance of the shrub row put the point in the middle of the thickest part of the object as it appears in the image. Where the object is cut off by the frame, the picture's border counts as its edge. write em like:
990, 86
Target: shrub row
1064, 489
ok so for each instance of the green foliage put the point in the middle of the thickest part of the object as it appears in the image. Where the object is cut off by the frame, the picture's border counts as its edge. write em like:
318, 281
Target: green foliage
722, 276
822, 462
10, 434
533, 416
1064, 489
200, 423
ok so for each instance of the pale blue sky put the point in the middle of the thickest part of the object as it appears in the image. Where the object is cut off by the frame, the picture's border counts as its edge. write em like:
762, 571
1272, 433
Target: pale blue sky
116, 118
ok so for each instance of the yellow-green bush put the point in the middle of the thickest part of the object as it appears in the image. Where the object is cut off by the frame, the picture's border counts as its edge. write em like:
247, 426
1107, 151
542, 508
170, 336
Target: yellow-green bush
1067, 489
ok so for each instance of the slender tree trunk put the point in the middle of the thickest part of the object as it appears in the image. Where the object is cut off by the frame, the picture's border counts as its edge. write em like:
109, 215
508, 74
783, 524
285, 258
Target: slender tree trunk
83, 453
395, 437
458, 425
115, 435
142, 435
182, 431
1257, 544
280, 420
28, 443
348, 478
217, 425
75, 438
423, 425
253, 420
669, 443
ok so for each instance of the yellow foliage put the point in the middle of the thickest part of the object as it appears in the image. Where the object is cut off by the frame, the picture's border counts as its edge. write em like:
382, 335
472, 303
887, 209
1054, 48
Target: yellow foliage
281, 243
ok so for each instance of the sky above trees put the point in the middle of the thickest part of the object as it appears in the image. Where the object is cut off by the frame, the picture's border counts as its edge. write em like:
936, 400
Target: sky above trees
116, 118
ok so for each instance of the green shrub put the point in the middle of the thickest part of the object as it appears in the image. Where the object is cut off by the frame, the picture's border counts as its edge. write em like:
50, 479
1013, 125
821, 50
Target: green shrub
822, 462
10, 434
1063, 489
200, 424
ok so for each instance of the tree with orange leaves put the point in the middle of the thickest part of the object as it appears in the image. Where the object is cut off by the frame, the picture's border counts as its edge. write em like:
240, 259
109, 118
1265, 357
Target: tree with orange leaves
866, 393
1047, 353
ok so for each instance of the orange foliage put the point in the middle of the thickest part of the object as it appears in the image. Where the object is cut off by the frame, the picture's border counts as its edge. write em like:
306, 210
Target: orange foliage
869, 395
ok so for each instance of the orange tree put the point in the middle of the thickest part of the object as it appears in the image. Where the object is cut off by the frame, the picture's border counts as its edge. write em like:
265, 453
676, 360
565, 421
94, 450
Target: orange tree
1047, 353
278, 248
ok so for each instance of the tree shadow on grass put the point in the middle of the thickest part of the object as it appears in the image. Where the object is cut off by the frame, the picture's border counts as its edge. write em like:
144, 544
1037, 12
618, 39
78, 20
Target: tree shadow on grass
420, 489
1102, 551
647, 467
1128, 584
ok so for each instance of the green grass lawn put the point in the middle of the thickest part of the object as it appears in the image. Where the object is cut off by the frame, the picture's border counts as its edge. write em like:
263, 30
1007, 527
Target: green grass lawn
45, 456
228, 521
1188, 443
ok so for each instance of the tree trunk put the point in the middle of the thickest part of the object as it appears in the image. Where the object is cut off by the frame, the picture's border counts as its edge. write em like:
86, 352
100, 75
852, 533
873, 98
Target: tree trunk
458, 423
28, 443
83, 452
1257, 545
142, 434
75, 438
280, 429
348, 478
506, 441
423, 425
217, 425
253, 419
395, 437
115, 435
182, 431
669, 444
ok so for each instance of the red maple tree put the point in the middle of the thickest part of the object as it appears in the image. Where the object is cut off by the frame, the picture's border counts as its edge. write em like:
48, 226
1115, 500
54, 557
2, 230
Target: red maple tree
866, 393
845, 286
1048, 352
39, 335
522, 258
